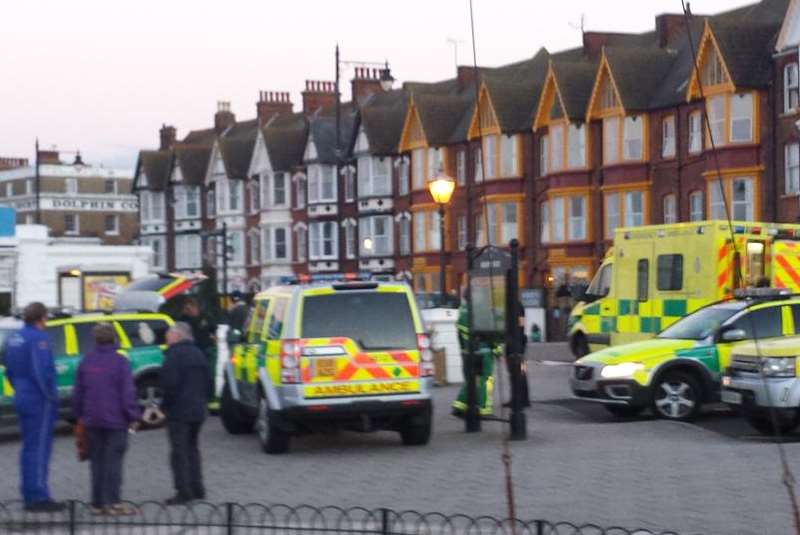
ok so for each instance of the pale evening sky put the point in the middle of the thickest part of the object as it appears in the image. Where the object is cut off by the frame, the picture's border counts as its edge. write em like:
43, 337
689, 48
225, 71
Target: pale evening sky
103, 76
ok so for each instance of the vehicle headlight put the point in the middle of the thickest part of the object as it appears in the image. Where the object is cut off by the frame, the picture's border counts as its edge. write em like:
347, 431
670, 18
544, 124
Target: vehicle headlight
617, 371
779, 366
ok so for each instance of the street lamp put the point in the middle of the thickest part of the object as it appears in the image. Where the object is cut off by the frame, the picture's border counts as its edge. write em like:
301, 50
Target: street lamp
441, 188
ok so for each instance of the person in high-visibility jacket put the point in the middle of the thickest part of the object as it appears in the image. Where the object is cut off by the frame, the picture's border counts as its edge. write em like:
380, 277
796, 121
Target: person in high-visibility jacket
487, 348
31, 371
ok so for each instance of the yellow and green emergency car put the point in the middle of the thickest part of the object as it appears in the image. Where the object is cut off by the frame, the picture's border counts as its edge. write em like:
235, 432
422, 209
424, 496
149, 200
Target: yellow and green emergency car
328, 356
655, 275
679, 370
142, 338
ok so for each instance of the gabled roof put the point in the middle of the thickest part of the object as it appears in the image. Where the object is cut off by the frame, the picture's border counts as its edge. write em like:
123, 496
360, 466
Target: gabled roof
442, 117
236, 153
201, 137
322, 130
574, 81
638, 73
745, 45
382, 118
285, 137
156, 166
193, 162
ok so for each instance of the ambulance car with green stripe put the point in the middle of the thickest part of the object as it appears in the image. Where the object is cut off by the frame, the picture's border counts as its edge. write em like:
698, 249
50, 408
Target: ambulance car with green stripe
655, 275
680, 369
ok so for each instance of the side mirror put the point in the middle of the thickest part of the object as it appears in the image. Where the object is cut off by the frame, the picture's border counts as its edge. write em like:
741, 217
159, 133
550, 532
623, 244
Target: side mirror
733, 335
234, 337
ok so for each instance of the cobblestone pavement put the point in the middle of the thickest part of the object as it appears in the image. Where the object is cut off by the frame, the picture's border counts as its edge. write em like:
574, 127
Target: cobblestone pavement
579, 464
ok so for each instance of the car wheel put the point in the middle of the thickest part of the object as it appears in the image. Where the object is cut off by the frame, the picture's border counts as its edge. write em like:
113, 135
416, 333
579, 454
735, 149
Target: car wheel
416, 430
231, 415
624, 411
677, 396
579, 346
761, 421
272, 439
149, 395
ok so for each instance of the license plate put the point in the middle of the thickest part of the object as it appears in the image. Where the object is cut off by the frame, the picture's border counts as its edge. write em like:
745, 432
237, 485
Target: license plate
729, 396
325, 367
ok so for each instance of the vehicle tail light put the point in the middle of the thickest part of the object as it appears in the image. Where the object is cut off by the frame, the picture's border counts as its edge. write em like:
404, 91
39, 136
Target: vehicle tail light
290, 361
426, 368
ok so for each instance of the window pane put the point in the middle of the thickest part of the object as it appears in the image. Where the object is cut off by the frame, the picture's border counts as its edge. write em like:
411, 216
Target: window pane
544, 212
577, 218
279, 189
634, 209
280, 243
668, 136
509, 229
491, 218
419, 231
742, 117
717, 202
490, 144
577, 146
611, 140
743, 199
696, 206
792, 168
670, 209
612, 214
642, 279
461, 167
418, 171
695, 137
762, 323
716, 118
544, 155
557, 149
558, 219
670, 272
633, 138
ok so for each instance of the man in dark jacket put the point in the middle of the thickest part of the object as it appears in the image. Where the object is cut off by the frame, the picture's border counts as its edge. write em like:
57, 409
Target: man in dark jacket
185, 381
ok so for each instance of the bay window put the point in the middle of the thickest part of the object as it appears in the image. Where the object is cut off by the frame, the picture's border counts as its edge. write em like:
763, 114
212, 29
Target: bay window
730, 117
490, 150
321, 183
254, 239
741, 117
509, 156
558, 230
480, 230
281, 245
668, 137
211, 203
556, 147
509, 227
324, 241
610, 140
236, 238
418, 169
791, 174
576, 153
234, 195
716, 200
377, 232
374, 176
716, 119
696, 206
563, 218
188, 251
633, 137
577, 218
279, 189
157, 244
740, 191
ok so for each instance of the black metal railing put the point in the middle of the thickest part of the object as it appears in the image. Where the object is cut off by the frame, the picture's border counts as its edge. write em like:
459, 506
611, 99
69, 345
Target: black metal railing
154, 518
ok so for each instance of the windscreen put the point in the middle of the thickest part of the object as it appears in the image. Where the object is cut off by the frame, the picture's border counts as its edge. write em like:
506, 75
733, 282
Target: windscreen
151, 284
376, 321
702, 323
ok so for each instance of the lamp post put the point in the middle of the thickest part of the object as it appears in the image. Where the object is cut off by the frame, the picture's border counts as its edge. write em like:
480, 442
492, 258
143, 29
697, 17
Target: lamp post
441, 189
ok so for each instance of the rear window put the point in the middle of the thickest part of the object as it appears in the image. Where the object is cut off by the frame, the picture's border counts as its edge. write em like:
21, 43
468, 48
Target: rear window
56, 337
376, 321
83, 334
145, 332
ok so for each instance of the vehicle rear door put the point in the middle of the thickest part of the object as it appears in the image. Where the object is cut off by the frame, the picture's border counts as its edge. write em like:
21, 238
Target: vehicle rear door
143, 340
358, 343
637, 315
245, 357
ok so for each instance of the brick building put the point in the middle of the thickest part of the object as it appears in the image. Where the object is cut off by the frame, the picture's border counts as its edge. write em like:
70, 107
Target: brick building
556, 151
74, 199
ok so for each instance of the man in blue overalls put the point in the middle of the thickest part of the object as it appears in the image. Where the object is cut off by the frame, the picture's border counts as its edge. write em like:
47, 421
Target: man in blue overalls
31, 371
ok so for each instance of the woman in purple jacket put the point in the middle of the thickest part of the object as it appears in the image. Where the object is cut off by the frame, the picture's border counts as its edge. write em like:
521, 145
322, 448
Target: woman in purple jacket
104, 400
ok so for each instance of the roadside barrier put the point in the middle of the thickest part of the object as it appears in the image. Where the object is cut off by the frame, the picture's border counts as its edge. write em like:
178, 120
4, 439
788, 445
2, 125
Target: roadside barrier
155, 518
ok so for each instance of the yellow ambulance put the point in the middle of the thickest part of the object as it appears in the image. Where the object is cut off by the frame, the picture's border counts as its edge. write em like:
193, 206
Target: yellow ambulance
655, 275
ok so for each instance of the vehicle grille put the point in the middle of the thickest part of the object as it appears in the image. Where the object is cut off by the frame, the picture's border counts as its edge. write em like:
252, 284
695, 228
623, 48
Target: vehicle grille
746, 365
583, 373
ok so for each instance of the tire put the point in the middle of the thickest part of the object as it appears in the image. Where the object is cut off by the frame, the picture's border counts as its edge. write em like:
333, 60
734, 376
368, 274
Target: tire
761, 421
149, 395
677, 395
273, 440
624, 411
416, 430
579, 346
231, 415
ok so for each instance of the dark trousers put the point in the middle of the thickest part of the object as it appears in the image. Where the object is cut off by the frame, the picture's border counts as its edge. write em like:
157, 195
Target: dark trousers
36, 421
185, 458
106, 451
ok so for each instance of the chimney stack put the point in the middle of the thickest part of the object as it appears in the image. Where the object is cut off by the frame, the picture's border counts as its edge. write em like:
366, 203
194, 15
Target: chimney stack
224, 118
168, 136
318, 95
667, 26
271, 103
366, 82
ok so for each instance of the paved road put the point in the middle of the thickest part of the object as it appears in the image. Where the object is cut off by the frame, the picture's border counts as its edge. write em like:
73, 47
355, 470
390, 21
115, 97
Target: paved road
579, 464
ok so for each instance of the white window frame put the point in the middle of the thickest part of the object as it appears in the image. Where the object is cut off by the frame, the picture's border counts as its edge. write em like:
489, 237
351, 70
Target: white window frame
318, 176
115, 230
71, 186
287, 246
490, 150
419, 232
301, 235
158, 245
383, 244
403, 176
300, 191
558, 226
254, 242
374, 176
611, 127
283, 190
743, 206
716, 119
632, 218
491, 223
418, 169
791, 168
668, 136
791, 88
349, 240
544, 155
576, 230
613, 213
557, 134
509, 156
509, 230
188, 251
349, 184
317, 240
